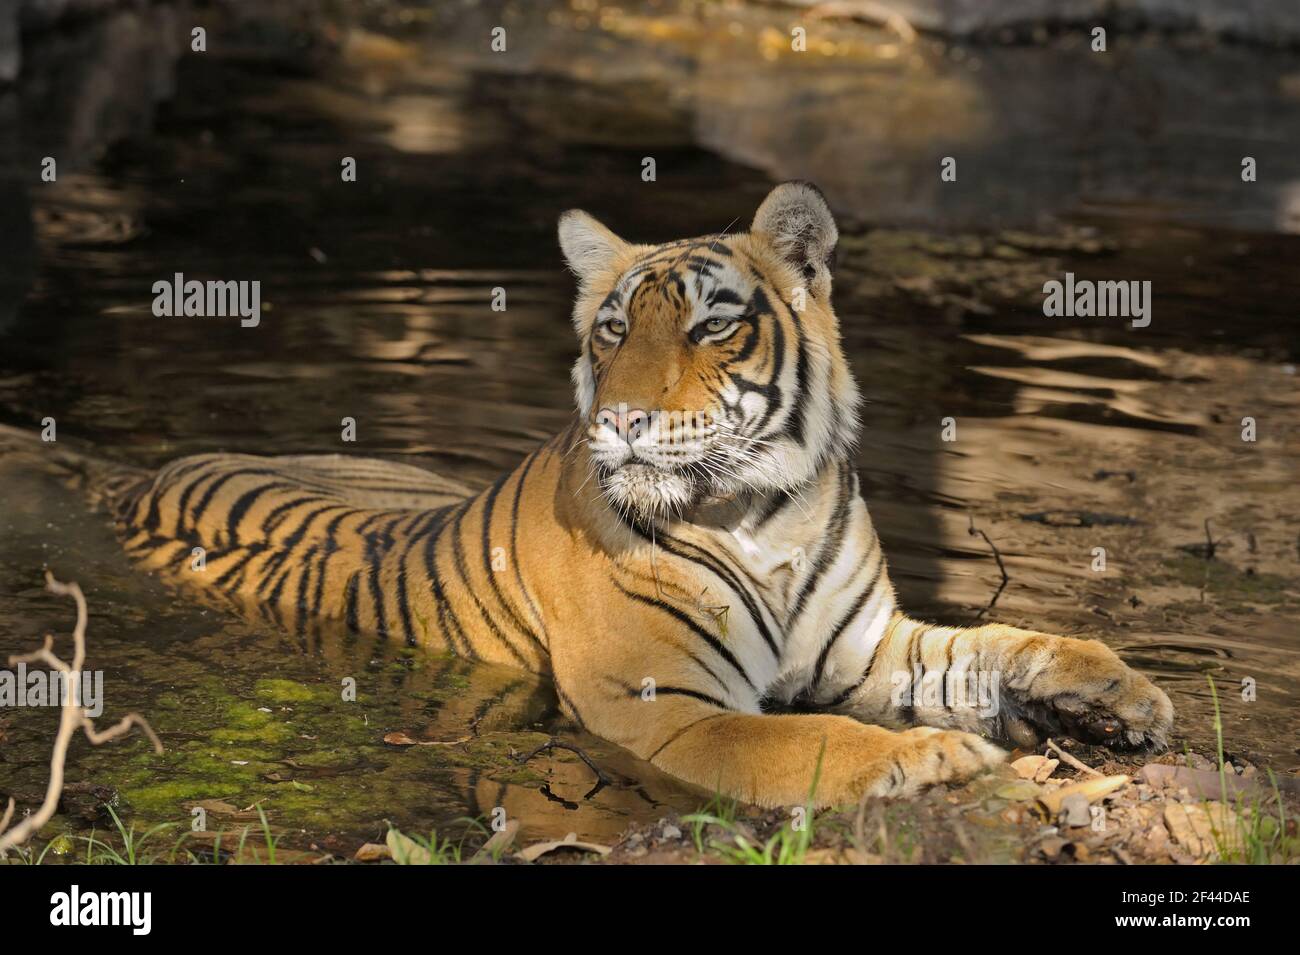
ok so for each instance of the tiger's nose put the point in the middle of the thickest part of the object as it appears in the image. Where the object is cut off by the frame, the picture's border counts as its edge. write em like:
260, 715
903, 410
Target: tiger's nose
626, 423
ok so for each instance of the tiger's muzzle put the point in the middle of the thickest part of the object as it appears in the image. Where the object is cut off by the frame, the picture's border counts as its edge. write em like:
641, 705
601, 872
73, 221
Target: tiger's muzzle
651, 463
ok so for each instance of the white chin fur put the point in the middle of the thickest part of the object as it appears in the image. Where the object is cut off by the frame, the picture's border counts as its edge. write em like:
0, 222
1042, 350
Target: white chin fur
647, 492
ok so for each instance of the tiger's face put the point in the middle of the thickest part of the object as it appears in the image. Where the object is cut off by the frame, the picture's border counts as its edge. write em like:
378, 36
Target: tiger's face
712, 367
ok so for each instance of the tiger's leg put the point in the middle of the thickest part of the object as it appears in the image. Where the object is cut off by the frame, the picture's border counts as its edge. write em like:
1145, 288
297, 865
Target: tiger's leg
1010, 683
766, 759
771, 760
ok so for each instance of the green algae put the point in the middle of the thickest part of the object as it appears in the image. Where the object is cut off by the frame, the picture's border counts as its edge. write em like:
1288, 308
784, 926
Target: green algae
1226, 581
288, 691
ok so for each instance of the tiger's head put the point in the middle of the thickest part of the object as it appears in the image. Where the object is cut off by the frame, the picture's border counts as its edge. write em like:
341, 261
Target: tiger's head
711, 367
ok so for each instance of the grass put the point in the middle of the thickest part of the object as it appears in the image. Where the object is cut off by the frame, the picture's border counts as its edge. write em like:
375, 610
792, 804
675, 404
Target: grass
146, 848
1250, 833
139, 849
134, 846
417, 850
787, 846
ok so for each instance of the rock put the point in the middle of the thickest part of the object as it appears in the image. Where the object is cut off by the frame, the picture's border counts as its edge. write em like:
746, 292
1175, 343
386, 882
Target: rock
1052, 847
1207, 783
1203, 829
1074, 811
671, 832
1156, 843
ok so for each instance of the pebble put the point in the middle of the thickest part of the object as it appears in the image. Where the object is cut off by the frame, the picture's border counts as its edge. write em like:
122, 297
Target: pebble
1074, 811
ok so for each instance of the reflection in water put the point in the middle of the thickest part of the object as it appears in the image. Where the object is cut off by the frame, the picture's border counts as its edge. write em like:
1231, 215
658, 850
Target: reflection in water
1072, 434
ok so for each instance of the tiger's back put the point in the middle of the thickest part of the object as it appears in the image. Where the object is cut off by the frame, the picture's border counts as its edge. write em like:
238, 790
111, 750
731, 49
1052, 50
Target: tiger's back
302, 535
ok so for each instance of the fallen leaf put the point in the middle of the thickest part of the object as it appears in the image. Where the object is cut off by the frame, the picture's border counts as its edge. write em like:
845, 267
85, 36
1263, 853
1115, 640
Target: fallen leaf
539, 849
253, 854
214, 805
372, 852
406, 851
398, 738
1021, 790
1035, 768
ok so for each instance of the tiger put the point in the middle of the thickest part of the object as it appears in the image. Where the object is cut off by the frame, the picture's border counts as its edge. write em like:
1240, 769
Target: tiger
690, 562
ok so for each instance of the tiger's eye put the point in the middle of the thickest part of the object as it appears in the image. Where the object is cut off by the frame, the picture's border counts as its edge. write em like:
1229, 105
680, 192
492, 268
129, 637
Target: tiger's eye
715, 325
616, 326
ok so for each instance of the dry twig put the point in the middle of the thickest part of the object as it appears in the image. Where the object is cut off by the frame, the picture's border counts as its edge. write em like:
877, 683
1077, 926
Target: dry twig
1002, 569
73, 718
1071, 760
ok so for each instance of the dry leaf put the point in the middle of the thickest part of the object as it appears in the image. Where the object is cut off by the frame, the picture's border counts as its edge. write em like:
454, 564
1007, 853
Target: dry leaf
1035, 768
215, 805
372, 852
406, 851
1021, 790
253, 854
398, 738
539, 849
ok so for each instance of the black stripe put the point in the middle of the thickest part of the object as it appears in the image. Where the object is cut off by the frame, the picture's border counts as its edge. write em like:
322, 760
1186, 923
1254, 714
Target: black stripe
206, 500
678, 548
827, 553
699, 631
847, 619
462, 570
514, 546
242, 505
489, 505
683, 691
679, 732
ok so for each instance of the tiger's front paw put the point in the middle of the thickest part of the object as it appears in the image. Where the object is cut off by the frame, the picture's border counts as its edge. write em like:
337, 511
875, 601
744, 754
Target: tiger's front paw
1080, 688
925, 756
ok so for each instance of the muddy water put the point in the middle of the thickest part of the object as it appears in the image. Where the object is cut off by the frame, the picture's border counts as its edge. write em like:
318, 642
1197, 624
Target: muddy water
1071, 434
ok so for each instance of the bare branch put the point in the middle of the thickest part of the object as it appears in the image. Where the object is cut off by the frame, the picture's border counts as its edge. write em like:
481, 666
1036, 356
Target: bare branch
72, 718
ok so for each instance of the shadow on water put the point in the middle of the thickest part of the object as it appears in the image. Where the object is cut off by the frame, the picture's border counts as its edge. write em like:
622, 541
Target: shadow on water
1072, 434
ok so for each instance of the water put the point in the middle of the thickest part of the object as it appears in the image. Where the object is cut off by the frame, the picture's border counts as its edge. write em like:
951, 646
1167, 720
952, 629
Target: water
1073, 434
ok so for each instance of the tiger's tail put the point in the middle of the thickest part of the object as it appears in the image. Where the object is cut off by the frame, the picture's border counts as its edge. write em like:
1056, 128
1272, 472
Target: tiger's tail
107, 485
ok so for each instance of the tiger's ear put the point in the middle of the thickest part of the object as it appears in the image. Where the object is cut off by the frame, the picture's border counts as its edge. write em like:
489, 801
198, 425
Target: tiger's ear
796, 220
587, 245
